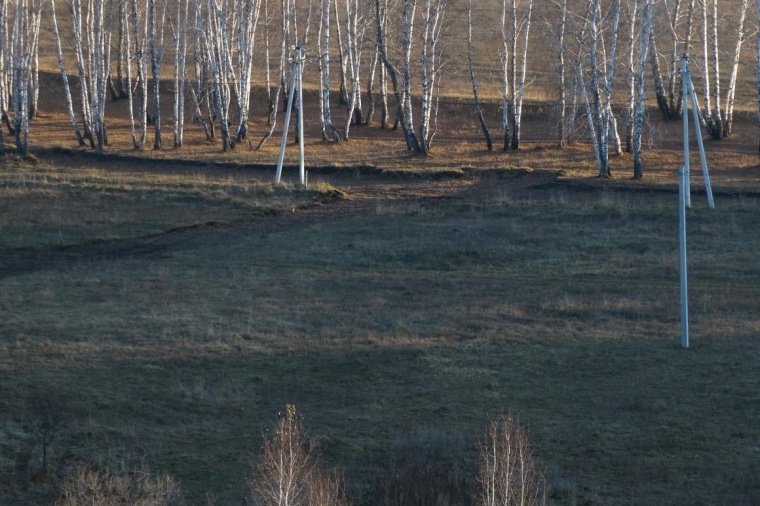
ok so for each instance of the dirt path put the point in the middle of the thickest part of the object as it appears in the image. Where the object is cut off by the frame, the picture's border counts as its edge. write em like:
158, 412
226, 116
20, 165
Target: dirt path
365, 193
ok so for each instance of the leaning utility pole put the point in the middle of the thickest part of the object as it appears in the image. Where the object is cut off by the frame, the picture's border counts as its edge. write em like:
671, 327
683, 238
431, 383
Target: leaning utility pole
296, 79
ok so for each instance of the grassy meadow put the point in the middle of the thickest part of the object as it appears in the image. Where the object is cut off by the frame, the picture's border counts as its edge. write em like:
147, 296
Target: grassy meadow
394, 318
162, 307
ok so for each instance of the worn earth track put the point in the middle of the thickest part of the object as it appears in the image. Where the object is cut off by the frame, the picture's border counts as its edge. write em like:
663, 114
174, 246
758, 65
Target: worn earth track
362, 194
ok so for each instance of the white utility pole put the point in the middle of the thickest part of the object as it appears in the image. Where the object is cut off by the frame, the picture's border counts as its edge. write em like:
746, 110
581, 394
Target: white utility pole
296, 81
684, 189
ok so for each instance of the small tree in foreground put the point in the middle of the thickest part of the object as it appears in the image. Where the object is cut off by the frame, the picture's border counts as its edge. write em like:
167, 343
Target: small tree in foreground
289, 472
507, 472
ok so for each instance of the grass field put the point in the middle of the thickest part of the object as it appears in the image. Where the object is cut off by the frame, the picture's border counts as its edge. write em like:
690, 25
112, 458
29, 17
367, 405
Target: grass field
162, 307
415, 305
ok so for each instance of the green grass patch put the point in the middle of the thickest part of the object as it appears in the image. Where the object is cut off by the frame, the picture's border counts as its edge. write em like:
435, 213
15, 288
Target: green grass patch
381, 325
43, 207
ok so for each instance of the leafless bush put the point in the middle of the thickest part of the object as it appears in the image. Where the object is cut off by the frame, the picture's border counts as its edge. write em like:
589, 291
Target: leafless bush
426, 468
507, 472
86, 485
327, 488
289, 472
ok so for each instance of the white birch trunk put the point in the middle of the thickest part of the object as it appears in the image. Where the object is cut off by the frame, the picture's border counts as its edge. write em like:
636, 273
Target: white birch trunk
281, 79
562, 102
728, 126
341, 56
34, 71
216, 47
518, 99
610, 127
707, 111
330, 130
371, 86
716, 114
644, 31
141, 64
505, 83
589, 116
673, 72
432, 23
177, 33
471, 67
408, 8
4, 51
128, 68
84, 92
155, 73
757, 71
248, 16
20, 85
64, 77
631, 69
355, 28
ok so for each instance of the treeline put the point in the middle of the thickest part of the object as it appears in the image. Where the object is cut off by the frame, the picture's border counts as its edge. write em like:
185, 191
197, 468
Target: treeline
605, 52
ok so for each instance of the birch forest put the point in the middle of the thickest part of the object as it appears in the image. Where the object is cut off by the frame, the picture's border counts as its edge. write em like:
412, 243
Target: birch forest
609, 69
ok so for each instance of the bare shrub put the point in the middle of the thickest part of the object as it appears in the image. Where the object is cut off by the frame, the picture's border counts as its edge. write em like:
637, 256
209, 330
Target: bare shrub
48, 414
507, 472
289, 471
327, 488
86, 485
426, 468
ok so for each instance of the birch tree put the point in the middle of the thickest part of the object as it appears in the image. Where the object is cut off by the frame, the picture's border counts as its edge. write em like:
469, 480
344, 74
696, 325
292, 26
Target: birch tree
20, 83
757, 74
75, 10
100, 17
285, 35
382, 23
392, 72
670, 105
632, 14
3, 52
562, 101
731, 92
343, 90
247, 19
355, 28
644, 36
119, 89
155, 69
327, 129
23, 46
599, 115
35, 16
140, 57
430, 70
471, 68
514, 33
199, 90
64, 77
180, 55
719, 121
217, 47
408, 8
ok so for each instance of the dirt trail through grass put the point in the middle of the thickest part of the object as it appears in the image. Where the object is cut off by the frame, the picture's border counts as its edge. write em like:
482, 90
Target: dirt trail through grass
359, 194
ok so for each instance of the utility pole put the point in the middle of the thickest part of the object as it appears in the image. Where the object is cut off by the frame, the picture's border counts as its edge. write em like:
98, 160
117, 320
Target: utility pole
296, 81
684, 189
